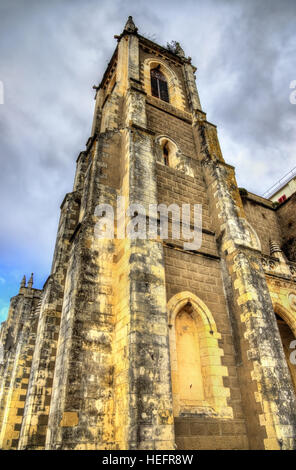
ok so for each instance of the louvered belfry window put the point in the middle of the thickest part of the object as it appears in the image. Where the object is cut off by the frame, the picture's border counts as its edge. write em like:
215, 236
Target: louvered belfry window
159, 86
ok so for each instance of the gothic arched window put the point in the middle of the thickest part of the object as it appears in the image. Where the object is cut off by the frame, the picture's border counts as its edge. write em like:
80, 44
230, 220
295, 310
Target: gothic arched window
166, 154
159, 86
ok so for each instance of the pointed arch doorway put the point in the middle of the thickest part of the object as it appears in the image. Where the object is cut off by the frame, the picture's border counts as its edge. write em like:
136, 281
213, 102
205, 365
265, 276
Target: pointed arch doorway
287, 337
196, 368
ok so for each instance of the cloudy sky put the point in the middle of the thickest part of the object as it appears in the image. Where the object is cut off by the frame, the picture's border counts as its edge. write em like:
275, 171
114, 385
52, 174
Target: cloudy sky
52, 53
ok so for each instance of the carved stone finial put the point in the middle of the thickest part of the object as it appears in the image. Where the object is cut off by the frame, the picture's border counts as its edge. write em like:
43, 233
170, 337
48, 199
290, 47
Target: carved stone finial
130, 26
30, 283
179, 51
175, 48
274, 247
23, 282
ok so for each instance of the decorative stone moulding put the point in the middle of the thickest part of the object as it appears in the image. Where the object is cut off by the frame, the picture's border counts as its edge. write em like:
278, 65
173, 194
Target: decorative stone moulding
292, 300
292, 267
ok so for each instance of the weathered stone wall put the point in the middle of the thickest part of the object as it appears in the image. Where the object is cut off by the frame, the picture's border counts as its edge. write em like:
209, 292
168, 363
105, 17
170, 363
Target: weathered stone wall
272, 223
149, 374
80, 410
261, 214
200, 275
286, 216
174, 187
163, 123
210, 434
19, 335
263, 372
34, 425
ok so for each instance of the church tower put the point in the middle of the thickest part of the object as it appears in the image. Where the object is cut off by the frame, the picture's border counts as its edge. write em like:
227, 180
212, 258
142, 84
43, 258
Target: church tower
144, 342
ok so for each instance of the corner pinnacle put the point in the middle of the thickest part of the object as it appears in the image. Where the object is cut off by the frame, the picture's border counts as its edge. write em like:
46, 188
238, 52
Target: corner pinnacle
179, 50
274, 247
30, 283
23, 282
130, 26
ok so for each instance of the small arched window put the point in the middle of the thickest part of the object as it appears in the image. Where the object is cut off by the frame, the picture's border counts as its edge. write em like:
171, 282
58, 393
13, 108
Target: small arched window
165, 154
159, 86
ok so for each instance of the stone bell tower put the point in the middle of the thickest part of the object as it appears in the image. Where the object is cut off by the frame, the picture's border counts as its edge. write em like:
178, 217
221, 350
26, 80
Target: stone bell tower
140, 343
